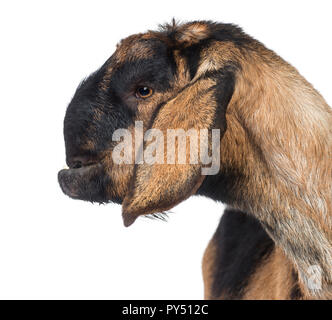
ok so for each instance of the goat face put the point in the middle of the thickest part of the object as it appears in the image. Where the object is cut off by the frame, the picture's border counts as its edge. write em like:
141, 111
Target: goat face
154, 78
138, 77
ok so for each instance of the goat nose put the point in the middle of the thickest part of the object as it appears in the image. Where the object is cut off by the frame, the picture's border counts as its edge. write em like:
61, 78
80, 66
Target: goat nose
76, 162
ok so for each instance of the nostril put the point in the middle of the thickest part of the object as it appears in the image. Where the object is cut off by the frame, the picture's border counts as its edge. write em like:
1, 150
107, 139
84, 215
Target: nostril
79, 162
77, 165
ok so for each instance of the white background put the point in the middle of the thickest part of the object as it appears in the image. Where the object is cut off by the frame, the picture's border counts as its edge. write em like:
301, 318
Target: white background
52, 247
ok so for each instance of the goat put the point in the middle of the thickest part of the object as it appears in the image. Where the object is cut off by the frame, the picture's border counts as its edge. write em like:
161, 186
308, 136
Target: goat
275, 173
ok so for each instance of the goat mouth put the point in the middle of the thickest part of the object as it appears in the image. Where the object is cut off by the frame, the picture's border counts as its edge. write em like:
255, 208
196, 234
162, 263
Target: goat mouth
83, 182
81, 168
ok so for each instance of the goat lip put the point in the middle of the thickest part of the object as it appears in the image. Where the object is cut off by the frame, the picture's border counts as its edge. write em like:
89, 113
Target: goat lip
85, 166
82, 170
75, 182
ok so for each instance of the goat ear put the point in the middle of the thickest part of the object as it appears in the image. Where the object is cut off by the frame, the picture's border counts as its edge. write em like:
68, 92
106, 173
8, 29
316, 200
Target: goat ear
160, 186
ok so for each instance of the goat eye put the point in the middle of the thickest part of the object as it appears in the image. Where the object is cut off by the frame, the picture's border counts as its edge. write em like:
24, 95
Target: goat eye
144, 92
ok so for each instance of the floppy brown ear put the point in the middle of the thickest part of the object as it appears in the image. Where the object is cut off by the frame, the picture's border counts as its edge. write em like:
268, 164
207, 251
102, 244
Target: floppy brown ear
201, 105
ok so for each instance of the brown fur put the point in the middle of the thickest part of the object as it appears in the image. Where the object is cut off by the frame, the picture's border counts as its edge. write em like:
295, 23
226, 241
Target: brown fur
272, 280
293, 199
156, 180
301, 222
208, 269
